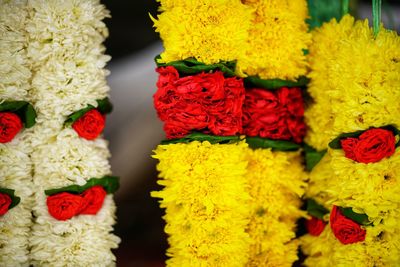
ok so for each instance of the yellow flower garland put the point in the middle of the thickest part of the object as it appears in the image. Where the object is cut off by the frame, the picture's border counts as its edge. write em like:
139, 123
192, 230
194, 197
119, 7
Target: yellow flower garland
276, 183
353, 77
206, 203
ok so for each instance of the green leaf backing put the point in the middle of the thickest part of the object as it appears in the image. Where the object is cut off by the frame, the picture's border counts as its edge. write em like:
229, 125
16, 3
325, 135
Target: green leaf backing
312, 156
357, 217
109, 183
315, 209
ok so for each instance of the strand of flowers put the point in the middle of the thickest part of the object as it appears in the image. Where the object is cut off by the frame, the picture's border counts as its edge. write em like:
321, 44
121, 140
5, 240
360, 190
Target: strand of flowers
15, 164
358, 175
66, 54
208, 102
276, 179
204, 194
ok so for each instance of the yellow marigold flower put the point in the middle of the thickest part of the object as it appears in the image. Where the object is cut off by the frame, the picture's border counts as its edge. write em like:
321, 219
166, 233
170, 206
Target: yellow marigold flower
373, 189
206, 203
209, 31
276, 183
278, 35
355, 74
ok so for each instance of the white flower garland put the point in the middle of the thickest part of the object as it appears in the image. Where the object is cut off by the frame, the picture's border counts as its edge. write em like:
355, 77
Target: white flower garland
15, 164
65, 48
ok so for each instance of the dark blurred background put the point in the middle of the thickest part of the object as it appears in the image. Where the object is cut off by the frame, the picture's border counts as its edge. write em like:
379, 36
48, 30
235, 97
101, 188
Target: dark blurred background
133, 128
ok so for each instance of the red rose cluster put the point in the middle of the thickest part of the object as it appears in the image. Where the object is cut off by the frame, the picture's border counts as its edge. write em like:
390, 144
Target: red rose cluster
90, 125
206, 102
371, 146
64, 206
10, 126
5, 202
274, 114
345, 229
315, 226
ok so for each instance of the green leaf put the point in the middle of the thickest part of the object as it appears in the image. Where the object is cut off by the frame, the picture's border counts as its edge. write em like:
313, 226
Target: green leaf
109, 183
30, 116
192, 66
357, 217
272, 84
195, 136
312, 156
275, 145
315, 209
12, 106
14, 199
335, 143
23, 109
104, 106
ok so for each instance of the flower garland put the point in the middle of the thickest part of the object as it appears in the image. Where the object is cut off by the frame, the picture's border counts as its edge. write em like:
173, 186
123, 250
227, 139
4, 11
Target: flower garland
357, 178
205, 108
66, 52
15, 164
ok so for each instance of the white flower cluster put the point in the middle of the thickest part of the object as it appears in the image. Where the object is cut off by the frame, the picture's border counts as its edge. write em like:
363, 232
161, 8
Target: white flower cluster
51, 55
15, 163
67, 55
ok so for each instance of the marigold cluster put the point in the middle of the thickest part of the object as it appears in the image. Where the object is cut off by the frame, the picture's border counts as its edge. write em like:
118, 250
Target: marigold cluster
206, 203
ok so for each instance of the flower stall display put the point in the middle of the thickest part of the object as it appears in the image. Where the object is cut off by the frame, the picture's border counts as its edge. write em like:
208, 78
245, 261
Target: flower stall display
17, 117
232, 110
354, 131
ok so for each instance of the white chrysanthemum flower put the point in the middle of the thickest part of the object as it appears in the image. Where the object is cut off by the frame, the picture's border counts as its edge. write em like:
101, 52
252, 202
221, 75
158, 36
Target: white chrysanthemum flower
14, 73
66, 28
65, 159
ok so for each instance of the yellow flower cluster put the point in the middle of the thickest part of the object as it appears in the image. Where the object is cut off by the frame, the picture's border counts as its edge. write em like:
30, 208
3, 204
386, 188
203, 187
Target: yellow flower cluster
277, 37
354, 80
378, 249
267, 38
206, 203
209, 30
276, 183
353, 84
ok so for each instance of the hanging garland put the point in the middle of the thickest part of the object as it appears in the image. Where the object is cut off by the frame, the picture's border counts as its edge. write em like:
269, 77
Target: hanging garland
69, 93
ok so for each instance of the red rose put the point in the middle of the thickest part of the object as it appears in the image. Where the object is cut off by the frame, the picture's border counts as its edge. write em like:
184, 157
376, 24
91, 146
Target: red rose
93, 199
345, 229
5, 202
348, 146
274, 114
10, 125
90, 125
315, 226
64, 206
371, 146
206, 102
